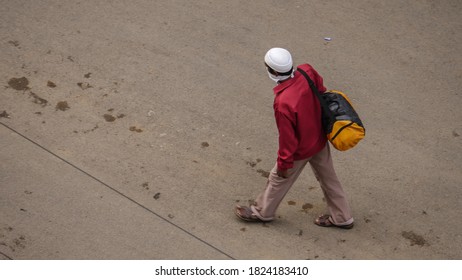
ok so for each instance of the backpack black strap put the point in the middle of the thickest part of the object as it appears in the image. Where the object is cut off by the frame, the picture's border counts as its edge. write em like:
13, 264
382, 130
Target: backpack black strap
315, 90
326, 117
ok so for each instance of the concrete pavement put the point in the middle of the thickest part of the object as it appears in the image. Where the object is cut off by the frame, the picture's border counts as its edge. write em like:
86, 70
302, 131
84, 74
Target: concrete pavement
132, 128
53, 210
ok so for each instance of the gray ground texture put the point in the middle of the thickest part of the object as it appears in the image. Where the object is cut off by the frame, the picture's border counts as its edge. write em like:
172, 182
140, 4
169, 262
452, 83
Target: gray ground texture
130, 129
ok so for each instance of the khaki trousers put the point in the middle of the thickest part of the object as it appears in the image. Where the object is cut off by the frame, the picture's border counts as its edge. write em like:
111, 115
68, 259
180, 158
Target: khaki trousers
276, 188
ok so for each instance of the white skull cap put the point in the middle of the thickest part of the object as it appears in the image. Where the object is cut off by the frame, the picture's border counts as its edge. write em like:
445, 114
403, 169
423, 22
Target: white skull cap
279, 60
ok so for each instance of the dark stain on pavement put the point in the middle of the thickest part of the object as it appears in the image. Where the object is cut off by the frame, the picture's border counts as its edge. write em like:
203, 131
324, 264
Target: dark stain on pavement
156, 196
205, 144
23, 84
260, 171
7, 238
19, 83
14, 43
62, 106
19, 243
50, 84
89, 130
109, 118
306, 207
84, 86
415, 238
135, 129
4, 114
38, 99
263, 173
253, 163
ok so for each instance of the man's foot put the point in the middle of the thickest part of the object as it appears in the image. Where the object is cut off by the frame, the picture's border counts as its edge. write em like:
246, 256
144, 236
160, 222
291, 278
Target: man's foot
326, 221
246, 214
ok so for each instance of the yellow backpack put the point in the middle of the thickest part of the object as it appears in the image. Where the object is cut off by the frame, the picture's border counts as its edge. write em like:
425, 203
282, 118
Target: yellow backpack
341, 123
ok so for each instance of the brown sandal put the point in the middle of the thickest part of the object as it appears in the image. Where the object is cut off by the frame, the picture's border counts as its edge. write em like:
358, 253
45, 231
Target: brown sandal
246, 214
326, 221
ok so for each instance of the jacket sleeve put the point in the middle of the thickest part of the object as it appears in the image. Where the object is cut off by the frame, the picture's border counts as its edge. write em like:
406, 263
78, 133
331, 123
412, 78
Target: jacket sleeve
288, 141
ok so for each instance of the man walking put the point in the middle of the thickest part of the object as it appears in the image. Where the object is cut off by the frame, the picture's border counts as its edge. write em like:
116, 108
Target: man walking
301, 141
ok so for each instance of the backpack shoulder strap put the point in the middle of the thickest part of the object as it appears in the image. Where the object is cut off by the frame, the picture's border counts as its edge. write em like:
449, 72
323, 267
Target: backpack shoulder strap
315, 90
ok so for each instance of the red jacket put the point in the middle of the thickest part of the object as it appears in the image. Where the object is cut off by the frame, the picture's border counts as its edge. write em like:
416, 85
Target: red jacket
298, 118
